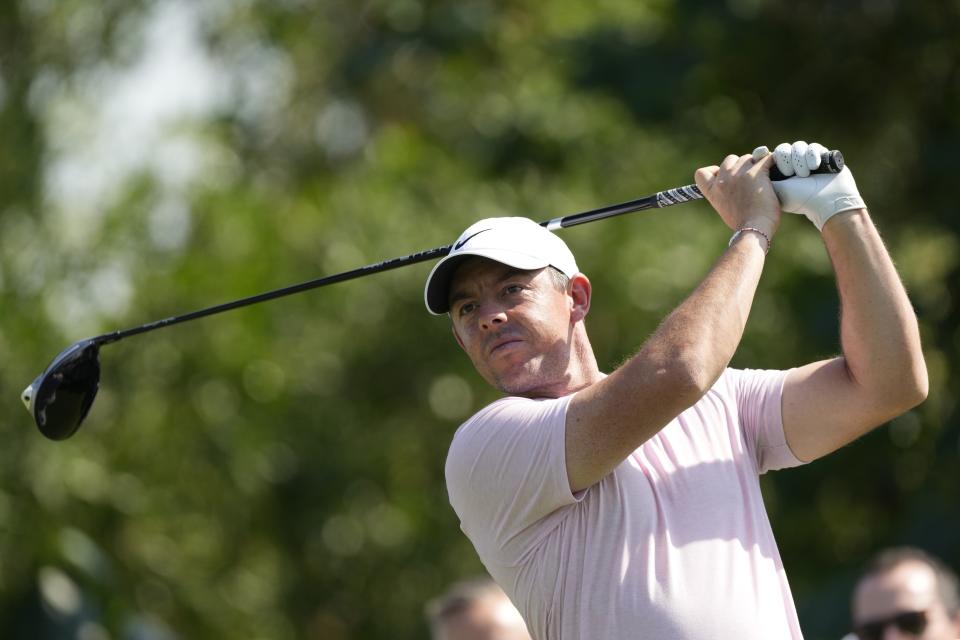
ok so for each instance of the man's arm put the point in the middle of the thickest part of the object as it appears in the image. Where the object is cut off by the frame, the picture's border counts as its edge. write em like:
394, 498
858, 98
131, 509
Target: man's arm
692, 346
881, 373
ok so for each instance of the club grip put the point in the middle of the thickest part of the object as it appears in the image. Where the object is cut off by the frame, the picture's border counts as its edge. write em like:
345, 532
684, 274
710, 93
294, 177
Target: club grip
830, 162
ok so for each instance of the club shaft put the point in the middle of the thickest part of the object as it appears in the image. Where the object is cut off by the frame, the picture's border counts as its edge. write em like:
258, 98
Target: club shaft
658, 200
832, 162
366, 270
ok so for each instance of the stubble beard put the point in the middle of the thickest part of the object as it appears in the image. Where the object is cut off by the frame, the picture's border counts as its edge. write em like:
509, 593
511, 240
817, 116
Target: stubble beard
536, 377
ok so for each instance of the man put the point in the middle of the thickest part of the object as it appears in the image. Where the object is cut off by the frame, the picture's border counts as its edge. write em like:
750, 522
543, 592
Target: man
475, 610
627, 505
906, 593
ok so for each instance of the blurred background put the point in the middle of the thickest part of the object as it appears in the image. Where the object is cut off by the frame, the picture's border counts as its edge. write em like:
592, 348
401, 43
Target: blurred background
277, 472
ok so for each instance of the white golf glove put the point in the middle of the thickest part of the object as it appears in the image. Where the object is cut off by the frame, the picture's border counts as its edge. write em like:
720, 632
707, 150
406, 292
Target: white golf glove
819, 196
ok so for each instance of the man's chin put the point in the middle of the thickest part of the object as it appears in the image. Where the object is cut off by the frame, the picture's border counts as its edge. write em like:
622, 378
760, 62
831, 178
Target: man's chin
524, 384
509, 385
520, 378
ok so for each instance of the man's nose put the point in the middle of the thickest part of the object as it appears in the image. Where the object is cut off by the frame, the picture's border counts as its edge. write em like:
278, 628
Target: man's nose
491, 317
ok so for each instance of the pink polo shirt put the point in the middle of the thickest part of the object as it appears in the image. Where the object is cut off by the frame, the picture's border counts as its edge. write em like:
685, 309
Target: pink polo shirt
674, 543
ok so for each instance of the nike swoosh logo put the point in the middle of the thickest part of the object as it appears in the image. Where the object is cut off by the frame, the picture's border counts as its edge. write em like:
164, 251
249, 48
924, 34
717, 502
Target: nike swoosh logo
457, 246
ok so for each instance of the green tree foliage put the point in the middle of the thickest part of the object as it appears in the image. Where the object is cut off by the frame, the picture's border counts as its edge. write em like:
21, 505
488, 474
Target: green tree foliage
277, 472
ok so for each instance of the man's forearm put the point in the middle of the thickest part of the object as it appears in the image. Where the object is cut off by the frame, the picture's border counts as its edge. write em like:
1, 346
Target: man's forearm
878, 329
701, 335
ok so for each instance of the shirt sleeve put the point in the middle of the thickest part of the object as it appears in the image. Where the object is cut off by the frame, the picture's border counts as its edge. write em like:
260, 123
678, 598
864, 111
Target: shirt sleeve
759, 403
507, 478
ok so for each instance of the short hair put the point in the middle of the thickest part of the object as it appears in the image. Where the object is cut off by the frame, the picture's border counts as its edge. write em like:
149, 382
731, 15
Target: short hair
948, 586
560, 280
459, 597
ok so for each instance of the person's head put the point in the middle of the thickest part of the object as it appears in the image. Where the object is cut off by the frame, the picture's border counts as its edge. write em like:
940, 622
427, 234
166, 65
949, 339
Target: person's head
475, 610
517, 303
906, 593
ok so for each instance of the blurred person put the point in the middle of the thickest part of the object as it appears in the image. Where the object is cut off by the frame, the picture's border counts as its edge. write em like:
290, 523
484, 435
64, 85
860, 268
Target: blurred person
628, 505
906, 593
476, 609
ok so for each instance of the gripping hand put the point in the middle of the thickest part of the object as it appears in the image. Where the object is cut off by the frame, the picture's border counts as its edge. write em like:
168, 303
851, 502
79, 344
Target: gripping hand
818, 196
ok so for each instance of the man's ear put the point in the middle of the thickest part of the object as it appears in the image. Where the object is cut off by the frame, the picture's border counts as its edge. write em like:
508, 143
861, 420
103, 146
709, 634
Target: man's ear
580, 294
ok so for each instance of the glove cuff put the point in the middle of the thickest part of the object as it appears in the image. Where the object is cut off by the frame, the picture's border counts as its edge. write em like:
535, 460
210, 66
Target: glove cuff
840, 204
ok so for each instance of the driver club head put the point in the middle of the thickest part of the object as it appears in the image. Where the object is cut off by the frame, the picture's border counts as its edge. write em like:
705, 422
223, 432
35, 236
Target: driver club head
60, 397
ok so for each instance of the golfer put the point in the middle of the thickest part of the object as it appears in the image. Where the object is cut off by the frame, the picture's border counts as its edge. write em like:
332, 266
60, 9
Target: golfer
627, 505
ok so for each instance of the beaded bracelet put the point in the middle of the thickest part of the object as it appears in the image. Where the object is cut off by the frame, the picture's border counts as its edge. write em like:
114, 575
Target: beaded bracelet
742, 229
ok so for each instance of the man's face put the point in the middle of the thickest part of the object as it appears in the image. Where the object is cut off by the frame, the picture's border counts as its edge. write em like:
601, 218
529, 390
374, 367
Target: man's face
516, 326
908, 588
490, 618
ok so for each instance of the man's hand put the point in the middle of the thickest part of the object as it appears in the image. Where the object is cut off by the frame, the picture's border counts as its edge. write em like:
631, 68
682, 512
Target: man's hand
740, 191
819, 196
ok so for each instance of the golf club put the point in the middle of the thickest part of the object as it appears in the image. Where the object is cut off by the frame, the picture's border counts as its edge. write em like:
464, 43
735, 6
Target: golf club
60, 397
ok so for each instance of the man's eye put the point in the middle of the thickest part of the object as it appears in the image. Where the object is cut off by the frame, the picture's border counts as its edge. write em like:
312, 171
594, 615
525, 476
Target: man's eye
513, 288
466, 308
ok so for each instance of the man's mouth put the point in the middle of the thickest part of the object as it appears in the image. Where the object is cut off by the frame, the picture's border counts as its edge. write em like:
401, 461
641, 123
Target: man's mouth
502, 343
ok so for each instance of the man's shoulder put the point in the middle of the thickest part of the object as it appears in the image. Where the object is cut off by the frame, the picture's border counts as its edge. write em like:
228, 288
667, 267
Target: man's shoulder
507, 413
501, 409
498, 405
